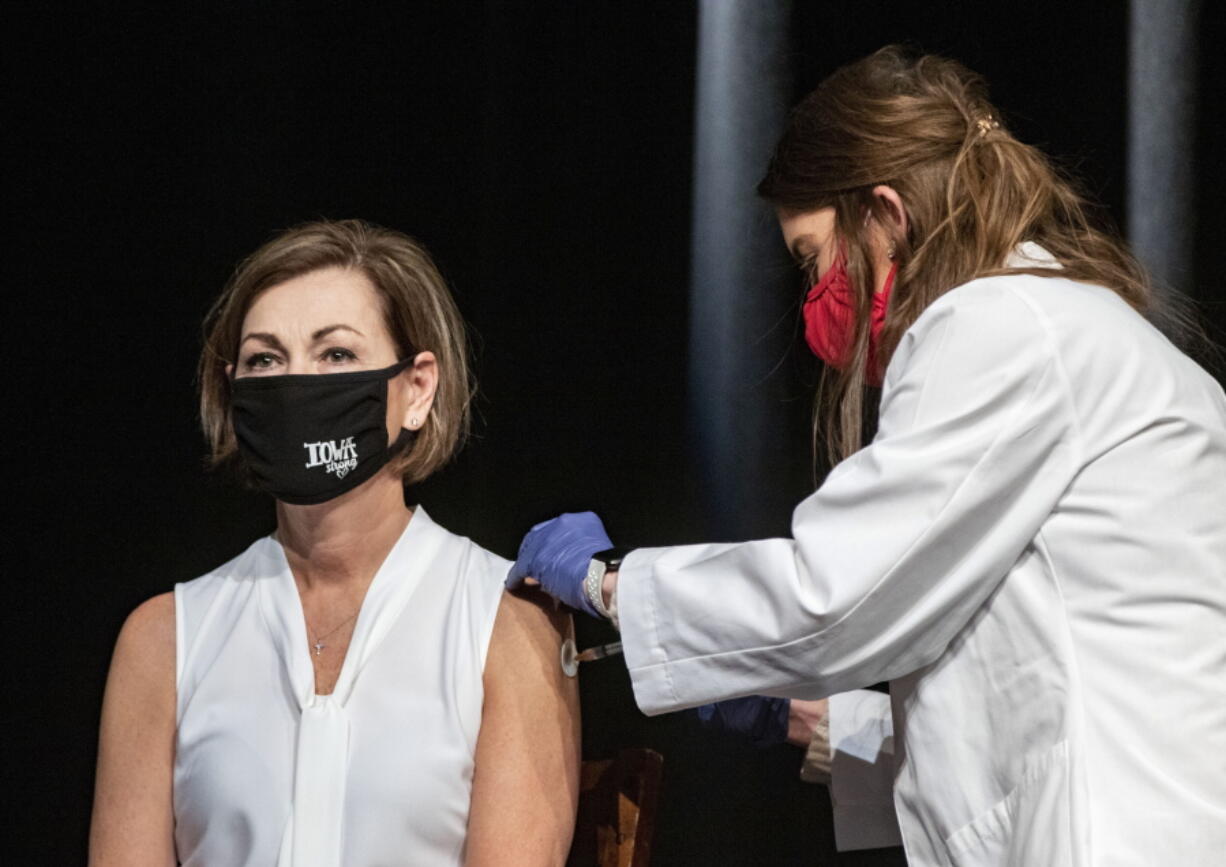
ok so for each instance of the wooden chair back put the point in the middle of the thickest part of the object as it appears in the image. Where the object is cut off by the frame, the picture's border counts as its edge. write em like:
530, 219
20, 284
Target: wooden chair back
617, 810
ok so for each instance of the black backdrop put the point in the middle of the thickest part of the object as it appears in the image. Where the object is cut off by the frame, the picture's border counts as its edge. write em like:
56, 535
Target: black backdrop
542, 151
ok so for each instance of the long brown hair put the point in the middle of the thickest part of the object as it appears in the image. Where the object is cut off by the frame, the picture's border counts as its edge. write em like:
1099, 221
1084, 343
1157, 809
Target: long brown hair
923, 125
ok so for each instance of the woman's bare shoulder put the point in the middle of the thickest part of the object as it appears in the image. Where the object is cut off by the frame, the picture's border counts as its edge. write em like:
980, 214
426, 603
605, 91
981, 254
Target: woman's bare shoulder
528, 624
145, 651
151, 624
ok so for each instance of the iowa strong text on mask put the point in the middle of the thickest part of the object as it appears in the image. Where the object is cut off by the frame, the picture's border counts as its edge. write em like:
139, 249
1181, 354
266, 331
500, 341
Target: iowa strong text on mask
338, 459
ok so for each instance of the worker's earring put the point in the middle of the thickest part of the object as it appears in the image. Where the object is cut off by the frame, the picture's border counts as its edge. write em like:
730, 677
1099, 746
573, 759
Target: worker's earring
414, 423
891, 252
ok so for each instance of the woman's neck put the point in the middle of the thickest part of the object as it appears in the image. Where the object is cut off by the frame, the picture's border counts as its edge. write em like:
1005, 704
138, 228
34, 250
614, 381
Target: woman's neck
345, 540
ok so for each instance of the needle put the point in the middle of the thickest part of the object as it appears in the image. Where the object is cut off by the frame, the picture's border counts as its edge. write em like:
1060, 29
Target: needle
571, 659
600, 652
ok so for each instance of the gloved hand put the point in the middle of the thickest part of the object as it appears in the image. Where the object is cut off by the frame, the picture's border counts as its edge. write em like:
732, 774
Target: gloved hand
557, 553
761, 720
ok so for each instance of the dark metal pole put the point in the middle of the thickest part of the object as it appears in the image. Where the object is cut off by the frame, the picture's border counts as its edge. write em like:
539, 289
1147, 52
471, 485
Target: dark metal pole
1161, 137
739, 324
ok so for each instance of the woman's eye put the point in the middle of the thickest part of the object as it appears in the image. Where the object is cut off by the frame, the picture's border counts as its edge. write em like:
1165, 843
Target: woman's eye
260, 361
337, 355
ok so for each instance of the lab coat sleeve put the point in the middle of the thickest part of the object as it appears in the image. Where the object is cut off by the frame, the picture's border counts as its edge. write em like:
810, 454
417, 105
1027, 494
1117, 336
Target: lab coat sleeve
862, 771
890, 558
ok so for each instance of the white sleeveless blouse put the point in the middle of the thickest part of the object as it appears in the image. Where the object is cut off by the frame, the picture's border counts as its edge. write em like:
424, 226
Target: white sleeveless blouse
377, 773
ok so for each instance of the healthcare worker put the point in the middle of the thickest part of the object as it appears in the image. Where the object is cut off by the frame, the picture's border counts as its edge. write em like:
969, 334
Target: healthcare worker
1032, 549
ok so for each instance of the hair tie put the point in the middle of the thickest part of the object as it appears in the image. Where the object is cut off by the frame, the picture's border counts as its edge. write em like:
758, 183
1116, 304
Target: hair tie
986, 125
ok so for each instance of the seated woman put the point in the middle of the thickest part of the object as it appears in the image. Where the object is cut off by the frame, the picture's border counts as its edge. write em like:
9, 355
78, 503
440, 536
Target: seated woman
316, 700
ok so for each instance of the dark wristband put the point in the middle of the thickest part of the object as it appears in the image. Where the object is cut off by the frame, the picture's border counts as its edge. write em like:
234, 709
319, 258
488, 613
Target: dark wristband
612, 557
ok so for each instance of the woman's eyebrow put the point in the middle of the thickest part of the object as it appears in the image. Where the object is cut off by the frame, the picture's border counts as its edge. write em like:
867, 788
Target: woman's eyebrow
265, 338
326, 330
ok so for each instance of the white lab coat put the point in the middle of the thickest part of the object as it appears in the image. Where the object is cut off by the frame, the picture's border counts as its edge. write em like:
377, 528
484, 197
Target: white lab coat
1033, 552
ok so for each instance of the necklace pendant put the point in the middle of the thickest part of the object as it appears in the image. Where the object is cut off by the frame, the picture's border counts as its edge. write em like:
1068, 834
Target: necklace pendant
319, 647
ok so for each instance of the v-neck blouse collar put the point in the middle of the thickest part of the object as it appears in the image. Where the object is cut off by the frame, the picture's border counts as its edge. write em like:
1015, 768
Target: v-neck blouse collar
393, 585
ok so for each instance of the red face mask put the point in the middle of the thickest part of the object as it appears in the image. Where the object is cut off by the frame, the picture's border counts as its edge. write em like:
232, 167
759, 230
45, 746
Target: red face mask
829, 312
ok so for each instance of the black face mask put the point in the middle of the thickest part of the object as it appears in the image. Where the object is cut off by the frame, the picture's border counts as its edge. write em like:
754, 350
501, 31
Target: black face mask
310, 437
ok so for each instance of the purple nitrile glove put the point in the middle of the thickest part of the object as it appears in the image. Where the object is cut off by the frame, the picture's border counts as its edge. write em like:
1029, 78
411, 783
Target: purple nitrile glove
758, 718
557, 553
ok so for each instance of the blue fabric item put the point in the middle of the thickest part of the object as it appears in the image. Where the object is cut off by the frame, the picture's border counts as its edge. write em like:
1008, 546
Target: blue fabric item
557, 553
761, 720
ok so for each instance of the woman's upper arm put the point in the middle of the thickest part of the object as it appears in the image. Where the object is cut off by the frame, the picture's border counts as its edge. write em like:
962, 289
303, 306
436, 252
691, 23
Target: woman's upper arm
526, 779
133, 821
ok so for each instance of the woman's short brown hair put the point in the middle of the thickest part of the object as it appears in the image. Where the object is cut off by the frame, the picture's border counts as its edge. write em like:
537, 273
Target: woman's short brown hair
419, 312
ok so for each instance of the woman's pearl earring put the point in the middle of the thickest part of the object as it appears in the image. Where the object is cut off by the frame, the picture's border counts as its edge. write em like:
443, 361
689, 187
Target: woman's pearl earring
414, 422
892, 252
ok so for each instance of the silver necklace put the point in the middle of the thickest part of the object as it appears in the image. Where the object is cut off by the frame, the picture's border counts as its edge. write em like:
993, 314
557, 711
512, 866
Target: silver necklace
319, 639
